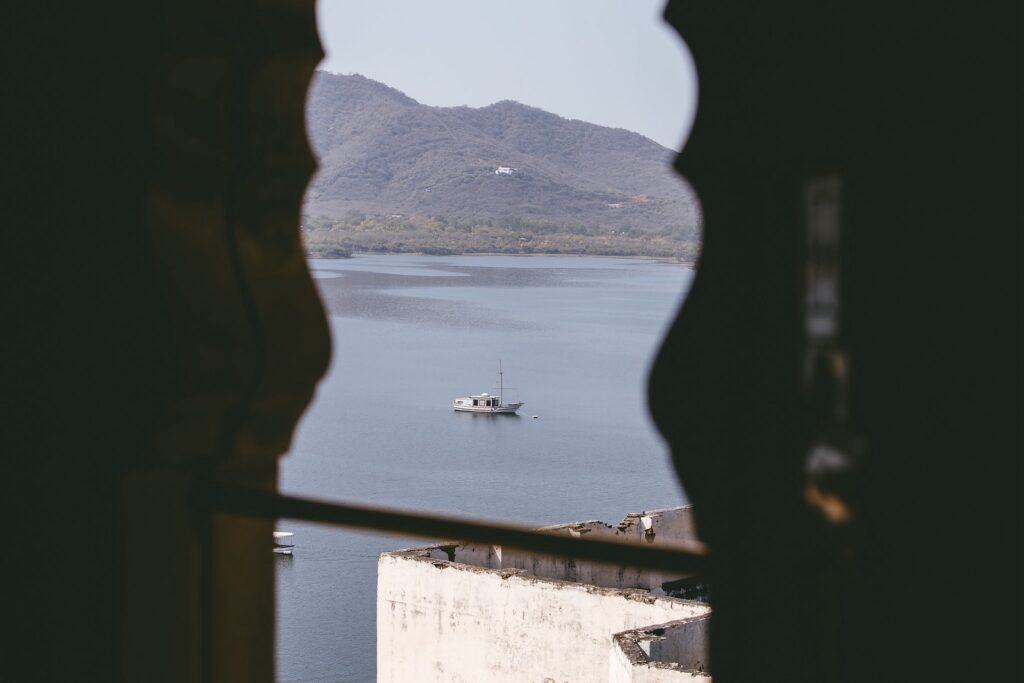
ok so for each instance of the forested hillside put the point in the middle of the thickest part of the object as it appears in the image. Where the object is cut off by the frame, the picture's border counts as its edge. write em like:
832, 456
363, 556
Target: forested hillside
396, 175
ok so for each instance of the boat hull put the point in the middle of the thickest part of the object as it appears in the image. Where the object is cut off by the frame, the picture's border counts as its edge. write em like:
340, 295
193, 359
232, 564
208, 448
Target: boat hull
490, 410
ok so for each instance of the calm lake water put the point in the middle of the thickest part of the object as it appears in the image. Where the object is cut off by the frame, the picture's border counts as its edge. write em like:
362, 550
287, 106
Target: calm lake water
576, 337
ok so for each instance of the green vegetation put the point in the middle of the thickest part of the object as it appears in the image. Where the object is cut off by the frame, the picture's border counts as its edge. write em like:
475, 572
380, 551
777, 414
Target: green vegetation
358, 232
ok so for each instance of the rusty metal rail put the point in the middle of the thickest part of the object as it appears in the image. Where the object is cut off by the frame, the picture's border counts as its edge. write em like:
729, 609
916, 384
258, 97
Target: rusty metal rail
689, 558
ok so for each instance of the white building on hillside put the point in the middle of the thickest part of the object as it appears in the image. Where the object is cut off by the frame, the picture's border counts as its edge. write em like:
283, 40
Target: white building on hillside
504, 170
480, 614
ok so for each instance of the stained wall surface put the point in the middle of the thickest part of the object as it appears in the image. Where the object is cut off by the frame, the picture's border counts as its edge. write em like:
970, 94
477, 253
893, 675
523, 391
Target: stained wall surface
443, 621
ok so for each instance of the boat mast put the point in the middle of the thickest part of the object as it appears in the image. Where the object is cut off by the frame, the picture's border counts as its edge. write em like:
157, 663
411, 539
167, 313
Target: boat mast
501, 385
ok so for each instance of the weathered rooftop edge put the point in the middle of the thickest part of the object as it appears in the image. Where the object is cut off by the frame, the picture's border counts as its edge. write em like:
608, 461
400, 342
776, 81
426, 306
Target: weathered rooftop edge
423, 555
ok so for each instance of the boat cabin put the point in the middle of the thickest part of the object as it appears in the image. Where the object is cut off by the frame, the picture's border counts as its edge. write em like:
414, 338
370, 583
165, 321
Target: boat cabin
479, 401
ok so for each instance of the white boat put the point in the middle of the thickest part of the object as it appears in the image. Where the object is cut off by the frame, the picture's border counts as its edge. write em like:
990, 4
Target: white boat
282, 542
487, 403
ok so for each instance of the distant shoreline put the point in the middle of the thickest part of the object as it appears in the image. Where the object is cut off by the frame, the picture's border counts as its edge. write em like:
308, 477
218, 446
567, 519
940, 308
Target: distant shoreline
632, 257
439, 236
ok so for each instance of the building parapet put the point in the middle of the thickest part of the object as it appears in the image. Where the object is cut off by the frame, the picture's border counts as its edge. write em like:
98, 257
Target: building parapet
670, 526
673, 652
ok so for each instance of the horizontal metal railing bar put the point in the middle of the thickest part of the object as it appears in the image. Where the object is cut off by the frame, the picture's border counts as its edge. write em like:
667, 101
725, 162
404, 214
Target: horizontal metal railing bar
690, 558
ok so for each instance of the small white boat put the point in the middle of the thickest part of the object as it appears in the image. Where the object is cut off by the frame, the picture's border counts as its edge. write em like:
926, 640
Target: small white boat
486, 403
282, 542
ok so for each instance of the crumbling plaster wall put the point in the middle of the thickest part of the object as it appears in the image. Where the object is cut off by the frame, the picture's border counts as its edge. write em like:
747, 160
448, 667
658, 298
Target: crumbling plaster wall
672, 652
655, 527
443, 621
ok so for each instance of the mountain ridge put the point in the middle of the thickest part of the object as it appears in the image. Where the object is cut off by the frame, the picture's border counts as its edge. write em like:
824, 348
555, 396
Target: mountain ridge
384, 155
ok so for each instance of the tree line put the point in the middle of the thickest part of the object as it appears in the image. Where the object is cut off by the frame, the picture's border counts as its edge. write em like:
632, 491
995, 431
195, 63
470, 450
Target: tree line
432, 234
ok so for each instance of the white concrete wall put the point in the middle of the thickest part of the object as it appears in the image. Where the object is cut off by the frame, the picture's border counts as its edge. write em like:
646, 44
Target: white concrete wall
441, 621
683, 642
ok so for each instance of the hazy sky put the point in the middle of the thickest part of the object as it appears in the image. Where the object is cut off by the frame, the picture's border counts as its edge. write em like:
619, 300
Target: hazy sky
621, 66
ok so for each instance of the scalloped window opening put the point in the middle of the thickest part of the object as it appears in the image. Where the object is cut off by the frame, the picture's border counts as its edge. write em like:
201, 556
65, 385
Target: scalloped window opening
500, 243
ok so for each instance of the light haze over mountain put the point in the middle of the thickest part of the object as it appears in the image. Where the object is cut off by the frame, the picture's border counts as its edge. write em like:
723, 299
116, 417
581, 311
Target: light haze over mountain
611, 62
